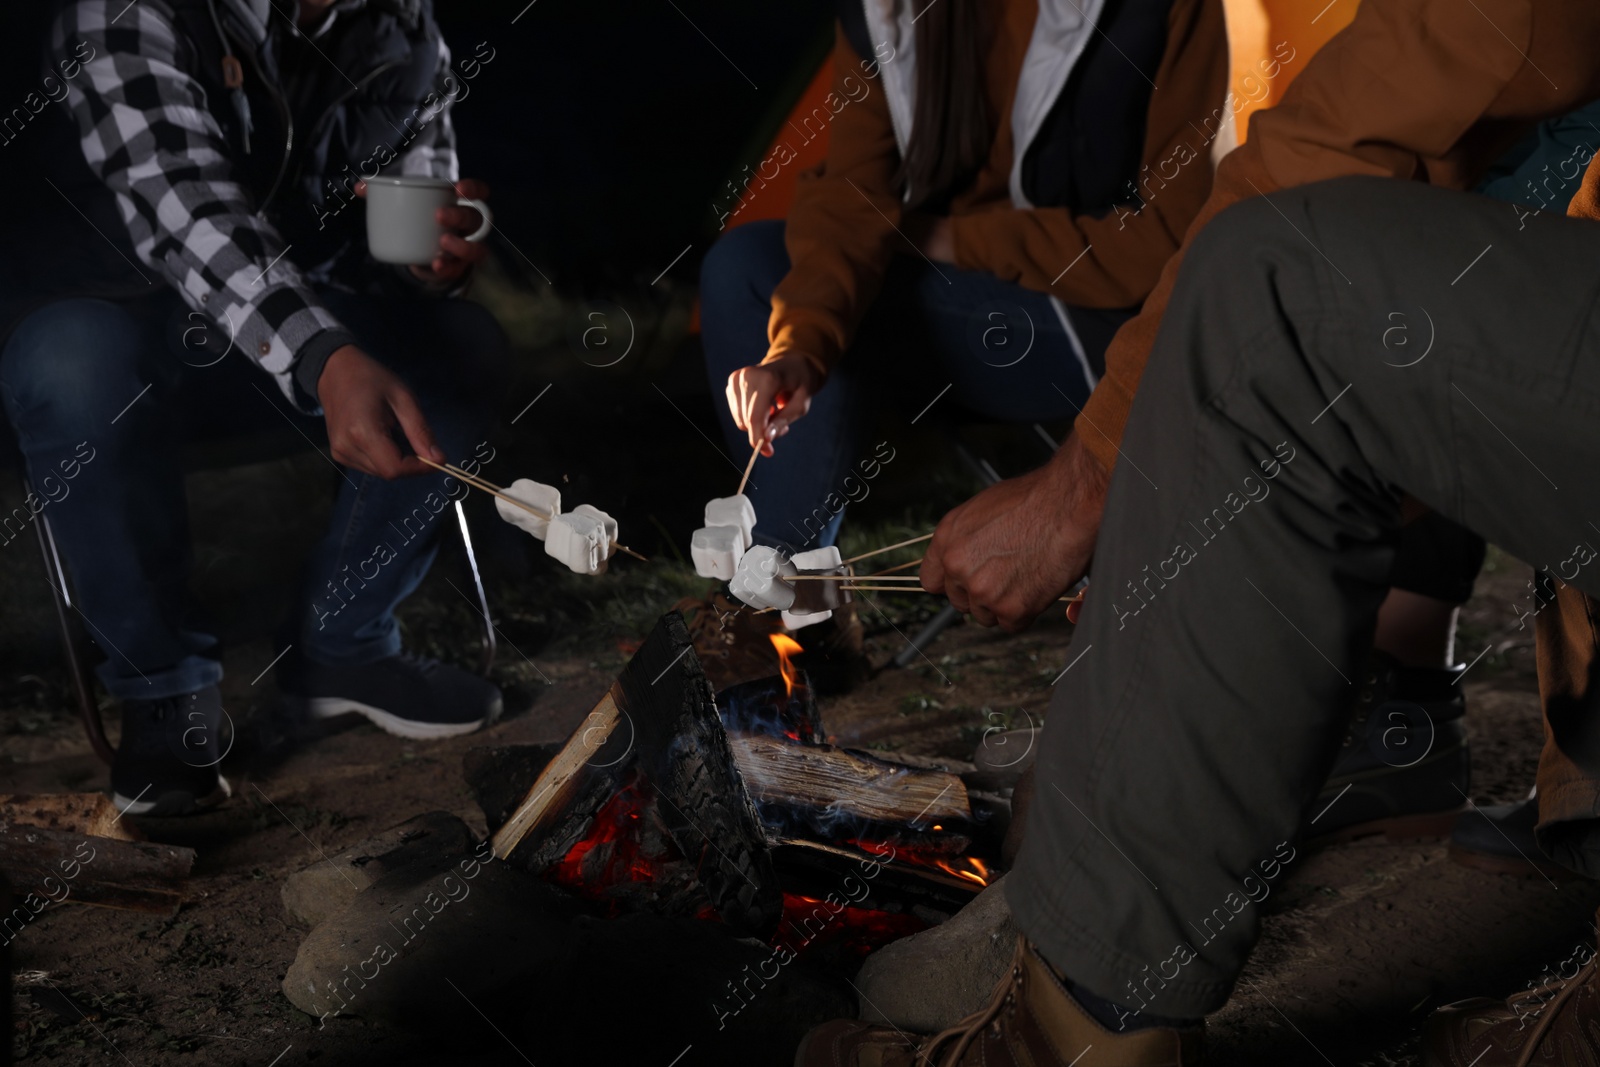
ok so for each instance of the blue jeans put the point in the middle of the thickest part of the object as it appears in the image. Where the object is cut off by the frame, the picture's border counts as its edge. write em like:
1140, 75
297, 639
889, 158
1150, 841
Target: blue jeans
935, 337
111, 392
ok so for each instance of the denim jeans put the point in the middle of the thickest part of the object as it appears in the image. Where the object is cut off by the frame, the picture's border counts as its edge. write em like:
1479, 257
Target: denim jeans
112, 392
935, 337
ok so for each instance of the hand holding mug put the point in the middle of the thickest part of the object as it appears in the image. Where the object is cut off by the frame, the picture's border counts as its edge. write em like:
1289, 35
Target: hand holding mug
429, 224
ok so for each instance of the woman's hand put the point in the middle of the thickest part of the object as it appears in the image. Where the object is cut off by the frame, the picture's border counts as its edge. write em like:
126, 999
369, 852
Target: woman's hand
766, 399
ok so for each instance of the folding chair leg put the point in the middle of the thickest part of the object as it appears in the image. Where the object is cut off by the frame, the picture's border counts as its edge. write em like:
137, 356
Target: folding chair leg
927, 635
477, 585
56, 576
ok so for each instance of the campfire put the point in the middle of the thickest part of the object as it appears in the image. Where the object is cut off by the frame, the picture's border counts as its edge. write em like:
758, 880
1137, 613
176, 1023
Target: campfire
734, 808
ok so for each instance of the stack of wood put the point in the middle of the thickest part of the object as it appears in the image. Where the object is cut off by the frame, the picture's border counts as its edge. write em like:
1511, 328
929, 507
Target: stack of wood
753, 801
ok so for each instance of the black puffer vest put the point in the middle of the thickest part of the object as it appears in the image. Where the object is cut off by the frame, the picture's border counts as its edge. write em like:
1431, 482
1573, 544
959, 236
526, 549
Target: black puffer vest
366, 99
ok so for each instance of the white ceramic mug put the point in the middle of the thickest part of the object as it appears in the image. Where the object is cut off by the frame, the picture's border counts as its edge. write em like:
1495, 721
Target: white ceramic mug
401, 222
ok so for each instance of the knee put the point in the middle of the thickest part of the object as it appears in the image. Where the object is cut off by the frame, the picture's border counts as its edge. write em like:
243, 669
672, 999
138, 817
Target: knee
72, 363
746, 264
1250, 236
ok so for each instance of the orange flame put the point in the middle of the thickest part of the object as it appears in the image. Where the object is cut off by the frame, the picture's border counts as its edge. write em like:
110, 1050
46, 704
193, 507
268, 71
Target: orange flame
967, 867
787, 647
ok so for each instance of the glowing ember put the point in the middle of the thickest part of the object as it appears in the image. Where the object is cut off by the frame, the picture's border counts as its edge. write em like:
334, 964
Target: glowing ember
787, 647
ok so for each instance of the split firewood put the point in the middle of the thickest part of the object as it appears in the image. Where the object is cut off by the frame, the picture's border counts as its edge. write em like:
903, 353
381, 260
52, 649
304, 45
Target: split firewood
837, 784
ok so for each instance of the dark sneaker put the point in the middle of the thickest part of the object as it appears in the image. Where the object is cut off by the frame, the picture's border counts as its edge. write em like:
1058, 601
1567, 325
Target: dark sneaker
1032, 1020
1403, 770
732, 641
1551, 1025
167, 761
1499, 838
405, 695
834, 654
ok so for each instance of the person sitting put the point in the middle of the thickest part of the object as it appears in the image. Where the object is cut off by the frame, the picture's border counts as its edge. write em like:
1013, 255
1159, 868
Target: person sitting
1002, 185
208, 250
1252, 389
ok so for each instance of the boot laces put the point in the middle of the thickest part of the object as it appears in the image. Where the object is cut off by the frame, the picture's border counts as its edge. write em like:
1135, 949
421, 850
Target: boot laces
1548, 1013
964, 1033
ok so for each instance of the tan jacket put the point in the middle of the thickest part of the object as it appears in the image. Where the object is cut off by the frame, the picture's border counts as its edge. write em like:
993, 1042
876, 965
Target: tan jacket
1426, 90
841, 230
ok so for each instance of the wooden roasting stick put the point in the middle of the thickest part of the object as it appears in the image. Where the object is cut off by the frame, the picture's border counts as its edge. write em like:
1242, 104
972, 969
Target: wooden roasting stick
496, 491
748, 467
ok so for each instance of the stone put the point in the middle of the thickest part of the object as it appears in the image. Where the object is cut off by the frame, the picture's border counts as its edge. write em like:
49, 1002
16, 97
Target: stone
325, 887
933, 979
547, 498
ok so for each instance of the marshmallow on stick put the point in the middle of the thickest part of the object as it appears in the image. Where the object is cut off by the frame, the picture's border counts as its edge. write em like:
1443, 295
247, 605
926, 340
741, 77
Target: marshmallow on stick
716, 551
823, 560
733, 511
546, 498
606, 521
758, 581
580, 541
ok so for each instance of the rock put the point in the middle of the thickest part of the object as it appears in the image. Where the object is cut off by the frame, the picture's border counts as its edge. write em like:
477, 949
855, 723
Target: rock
926, 982
327, 886
439, 947
392, 954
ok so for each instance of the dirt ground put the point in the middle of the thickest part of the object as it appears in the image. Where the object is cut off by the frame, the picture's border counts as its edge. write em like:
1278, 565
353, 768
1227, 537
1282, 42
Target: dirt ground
1359, 943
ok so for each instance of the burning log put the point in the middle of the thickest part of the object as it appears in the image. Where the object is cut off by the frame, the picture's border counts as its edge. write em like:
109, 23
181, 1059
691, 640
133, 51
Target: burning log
660, 800
825, 786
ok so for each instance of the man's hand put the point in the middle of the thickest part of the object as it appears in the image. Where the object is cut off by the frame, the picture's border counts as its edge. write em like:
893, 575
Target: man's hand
362, 402
1005, 555
786, 384
456, 254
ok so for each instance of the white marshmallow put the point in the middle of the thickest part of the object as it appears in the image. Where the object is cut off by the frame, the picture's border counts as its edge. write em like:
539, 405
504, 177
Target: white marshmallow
546, 498
733, 511
818, 559
716, 551
575, 540
758, 581
606, 521
793, 622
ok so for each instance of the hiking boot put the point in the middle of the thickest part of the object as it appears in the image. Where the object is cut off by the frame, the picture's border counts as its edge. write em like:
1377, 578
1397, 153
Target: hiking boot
1555, 1024
1403, 770
167, 761
732, 641
1032, 1020
406, 695
1499, 838
835, 652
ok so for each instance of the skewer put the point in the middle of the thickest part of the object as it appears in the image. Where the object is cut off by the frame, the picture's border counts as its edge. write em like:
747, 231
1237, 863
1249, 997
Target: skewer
889, 548
918, 589
851, 578
748, 467
891, 570
487, 487
494, 490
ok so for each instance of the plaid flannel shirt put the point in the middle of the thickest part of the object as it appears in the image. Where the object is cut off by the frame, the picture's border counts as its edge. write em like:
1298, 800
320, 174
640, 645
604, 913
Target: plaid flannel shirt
147, 134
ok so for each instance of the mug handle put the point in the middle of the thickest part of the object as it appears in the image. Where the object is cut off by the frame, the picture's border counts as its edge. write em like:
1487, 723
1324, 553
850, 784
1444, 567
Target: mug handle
481, 208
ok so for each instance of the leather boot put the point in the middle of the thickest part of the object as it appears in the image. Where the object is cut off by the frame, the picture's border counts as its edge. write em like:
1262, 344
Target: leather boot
1032, 1021
1554, 1024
